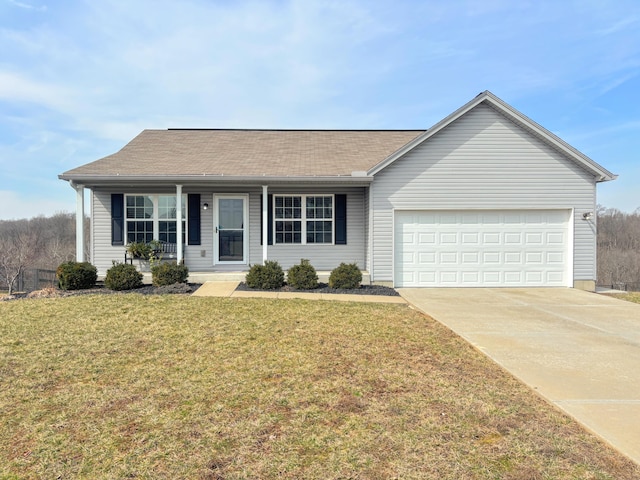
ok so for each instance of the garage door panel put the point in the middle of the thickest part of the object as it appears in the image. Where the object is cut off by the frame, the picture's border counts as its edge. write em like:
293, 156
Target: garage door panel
470, 238
534, 258
491, 277
491, 238
491, 257
555, 238
513, 278
470, 258
448, 277
428, 278
470, 278
556, 258
513, 238
483, 248
426, 238
513, 258
449, 238
450, 258
534, 277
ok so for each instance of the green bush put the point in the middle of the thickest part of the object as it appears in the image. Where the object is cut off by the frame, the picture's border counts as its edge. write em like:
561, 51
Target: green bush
140, 250
265, 277
76, 275
169, 273
123, 276
302, 276
345, 275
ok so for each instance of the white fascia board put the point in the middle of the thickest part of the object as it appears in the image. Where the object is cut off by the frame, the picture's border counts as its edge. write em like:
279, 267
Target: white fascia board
601, 174
203, 179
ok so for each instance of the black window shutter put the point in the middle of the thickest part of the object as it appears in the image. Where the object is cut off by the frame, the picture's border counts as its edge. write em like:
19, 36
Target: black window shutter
193, 201
269, 219
117, 219
341, 219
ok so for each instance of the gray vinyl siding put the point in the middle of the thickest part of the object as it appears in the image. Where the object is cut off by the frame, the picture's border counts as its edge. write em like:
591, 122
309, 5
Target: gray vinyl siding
483, 161
199, 258
102, 252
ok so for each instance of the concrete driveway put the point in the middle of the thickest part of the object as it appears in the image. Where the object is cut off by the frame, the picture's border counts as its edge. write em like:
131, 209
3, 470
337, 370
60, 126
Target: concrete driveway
579, 350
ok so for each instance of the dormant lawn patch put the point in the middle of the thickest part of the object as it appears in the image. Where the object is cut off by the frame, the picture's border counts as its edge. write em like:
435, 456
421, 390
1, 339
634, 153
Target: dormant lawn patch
628, 296
131, 386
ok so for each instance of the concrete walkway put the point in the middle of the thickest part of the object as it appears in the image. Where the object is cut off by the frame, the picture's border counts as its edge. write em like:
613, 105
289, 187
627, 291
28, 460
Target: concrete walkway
228, 289
579, 350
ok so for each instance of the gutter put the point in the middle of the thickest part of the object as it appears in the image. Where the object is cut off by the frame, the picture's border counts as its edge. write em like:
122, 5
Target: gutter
355, 178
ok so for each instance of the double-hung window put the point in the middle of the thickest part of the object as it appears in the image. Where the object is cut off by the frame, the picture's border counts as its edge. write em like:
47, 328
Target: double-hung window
303, 219
139, 214
150, 217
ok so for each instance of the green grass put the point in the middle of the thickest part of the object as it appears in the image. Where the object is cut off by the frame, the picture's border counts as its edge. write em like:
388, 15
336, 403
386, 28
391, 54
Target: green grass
128, 386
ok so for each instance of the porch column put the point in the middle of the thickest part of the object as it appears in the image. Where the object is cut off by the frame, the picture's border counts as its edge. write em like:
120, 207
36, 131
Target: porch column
179, 242
79, 222
265, 222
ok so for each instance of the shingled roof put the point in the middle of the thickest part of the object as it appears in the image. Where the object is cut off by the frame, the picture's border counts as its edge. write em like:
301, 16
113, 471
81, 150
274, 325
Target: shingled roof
271, 153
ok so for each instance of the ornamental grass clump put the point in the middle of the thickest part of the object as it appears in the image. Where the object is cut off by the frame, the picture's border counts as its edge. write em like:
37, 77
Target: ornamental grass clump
345, 275
76, 275
123, 276
169, 273
265, 277
302, 276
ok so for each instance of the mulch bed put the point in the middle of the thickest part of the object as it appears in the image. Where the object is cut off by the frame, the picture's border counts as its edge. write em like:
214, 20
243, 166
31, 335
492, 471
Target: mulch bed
324, 288
189, 288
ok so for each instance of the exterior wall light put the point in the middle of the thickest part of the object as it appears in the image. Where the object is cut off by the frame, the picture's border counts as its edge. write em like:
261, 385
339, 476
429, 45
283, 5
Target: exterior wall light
205, 206
587, 215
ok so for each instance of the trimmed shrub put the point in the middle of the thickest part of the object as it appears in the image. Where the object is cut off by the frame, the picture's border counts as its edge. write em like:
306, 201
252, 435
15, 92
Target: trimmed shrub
123, 276
265, 277
168, 273
76, 275
302, 276
345, 275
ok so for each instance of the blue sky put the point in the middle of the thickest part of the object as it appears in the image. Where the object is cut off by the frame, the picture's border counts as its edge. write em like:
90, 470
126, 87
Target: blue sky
79, 79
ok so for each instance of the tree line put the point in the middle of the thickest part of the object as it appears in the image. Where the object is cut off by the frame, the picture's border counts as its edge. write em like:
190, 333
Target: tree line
618, 248
46, 242
40, 242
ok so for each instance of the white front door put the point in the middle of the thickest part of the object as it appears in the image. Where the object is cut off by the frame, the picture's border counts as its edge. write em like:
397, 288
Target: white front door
230, 232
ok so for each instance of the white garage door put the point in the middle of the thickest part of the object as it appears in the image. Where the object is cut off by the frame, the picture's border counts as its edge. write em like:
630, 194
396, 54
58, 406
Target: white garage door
482, 248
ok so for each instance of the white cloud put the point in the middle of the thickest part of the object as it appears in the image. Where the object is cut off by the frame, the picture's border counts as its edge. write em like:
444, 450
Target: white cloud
16, 87
28, 6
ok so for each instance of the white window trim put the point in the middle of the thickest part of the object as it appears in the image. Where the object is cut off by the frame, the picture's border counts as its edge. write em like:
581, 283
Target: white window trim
155, 199
303, 219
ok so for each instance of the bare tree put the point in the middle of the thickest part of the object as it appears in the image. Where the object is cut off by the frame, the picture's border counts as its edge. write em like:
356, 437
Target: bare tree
618, 247
18, 249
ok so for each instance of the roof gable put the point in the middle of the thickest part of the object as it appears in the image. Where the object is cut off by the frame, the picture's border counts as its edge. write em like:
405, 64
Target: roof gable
515, 116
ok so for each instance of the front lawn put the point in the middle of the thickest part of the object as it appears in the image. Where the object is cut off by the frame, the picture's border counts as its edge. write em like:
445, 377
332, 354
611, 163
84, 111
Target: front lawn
133, 386
628, 296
